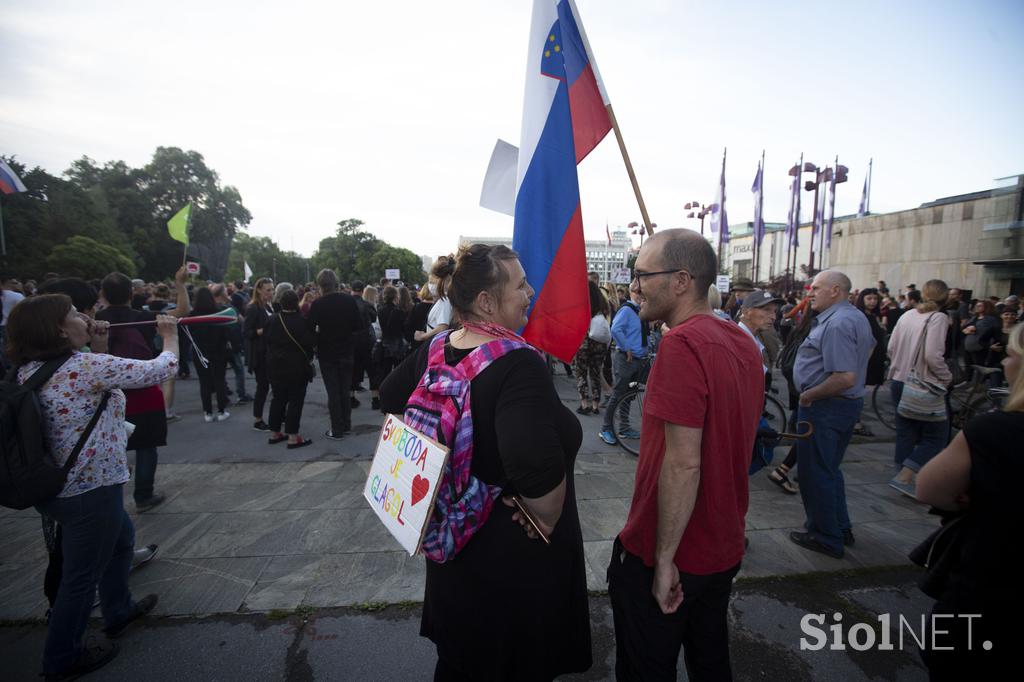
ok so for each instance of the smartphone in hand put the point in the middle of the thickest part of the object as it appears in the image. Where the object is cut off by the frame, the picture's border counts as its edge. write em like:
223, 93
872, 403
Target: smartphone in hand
521, 507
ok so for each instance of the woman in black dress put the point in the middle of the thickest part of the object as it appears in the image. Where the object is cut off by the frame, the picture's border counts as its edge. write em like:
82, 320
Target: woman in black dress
212, 341
978, 477
257, 315
869, 303
289, 352
507, 606
390, 350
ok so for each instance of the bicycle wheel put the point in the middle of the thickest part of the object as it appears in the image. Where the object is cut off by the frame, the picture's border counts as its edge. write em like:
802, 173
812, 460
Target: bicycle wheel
881, 403
775, 413
627, 417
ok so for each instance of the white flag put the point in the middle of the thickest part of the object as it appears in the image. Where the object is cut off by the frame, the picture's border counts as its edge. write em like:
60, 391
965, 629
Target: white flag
247, 270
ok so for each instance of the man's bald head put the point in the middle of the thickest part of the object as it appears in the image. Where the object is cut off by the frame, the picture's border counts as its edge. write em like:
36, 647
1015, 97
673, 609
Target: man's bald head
834, 278
828, 288
681, 249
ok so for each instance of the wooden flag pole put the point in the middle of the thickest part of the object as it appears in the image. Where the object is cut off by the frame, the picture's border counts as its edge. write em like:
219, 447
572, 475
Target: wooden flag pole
188, 223
629, 171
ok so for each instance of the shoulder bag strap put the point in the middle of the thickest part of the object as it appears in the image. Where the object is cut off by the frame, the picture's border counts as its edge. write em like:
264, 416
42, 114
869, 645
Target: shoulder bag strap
286, 331
85, 435
919, 352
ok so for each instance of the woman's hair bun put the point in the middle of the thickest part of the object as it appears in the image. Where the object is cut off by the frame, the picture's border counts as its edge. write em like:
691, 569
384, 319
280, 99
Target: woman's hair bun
444, 266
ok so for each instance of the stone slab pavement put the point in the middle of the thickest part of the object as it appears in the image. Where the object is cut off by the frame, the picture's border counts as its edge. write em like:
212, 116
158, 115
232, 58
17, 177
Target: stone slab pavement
250, 528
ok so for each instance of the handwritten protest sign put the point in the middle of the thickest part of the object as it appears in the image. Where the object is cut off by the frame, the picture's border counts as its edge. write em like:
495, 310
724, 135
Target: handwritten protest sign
402, 485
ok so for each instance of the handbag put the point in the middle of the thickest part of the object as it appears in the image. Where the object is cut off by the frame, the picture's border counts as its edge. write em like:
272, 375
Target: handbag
310, 365
922, 399
940, 552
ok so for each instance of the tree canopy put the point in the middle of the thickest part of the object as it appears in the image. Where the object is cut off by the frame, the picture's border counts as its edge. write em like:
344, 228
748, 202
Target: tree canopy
103, 217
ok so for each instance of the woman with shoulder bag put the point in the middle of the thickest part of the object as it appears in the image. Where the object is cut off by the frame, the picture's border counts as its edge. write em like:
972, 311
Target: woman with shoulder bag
97, 534
919, 378
290, 359
390, 350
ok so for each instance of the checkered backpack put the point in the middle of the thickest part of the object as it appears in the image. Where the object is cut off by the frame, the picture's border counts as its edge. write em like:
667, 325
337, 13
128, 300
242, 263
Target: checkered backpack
441, 408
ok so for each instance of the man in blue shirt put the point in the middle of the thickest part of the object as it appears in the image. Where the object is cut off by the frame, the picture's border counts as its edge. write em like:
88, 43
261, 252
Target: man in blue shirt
831, 365
629, 363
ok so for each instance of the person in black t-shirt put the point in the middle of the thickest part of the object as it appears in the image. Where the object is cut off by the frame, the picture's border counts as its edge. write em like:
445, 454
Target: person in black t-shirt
978, 476
334, 318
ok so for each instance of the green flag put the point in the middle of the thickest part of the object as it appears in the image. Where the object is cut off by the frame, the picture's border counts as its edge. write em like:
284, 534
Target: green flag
178, 225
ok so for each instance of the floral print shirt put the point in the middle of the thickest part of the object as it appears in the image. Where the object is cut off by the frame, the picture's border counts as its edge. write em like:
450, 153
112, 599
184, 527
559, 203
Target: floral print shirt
70, 398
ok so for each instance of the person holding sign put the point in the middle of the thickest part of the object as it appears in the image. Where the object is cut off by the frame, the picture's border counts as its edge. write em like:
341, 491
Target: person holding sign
525, 442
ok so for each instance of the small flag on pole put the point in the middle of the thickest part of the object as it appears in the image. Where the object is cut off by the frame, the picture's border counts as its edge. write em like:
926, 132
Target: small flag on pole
719, 218
832, 202
608, 233
758, 190
793, 222
9, 180
178, 225
247, 270
863, 210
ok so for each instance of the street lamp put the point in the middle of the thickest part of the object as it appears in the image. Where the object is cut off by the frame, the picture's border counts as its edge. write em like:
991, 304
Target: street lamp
636, 228
698, 210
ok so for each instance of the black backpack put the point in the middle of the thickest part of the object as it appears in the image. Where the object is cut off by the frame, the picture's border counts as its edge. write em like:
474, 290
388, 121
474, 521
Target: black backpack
28, 473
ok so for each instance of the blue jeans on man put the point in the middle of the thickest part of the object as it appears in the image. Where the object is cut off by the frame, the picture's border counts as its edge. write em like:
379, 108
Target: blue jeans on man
97, 544
819, 457
917, 441
625, 371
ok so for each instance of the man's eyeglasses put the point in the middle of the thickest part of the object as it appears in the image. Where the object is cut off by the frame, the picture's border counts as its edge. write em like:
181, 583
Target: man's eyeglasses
638, 277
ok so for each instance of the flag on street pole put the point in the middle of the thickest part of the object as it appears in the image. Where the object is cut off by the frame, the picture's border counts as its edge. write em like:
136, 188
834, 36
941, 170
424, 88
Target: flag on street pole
832, 202
863, 209
246, 270
178, 225
719, 217
608, 233
793, 221
758, 190
564, 117
9, 180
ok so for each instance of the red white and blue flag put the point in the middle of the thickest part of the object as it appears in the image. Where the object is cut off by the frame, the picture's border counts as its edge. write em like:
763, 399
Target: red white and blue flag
564, 117
9, 180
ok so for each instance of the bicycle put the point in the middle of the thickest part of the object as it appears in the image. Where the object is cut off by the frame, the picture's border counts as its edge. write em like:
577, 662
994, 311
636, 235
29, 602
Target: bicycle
628, 414
973, 397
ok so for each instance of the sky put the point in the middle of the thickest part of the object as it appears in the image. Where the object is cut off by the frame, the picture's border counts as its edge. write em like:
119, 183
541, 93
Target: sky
388, 111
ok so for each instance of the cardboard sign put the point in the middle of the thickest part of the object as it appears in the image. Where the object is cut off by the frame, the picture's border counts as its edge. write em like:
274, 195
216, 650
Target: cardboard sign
402, 485
621, 276
722, 284
392, 273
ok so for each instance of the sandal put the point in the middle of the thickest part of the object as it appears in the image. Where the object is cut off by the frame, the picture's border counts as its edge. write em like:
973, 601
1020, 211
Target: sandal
301, 444
779, 478
274, 440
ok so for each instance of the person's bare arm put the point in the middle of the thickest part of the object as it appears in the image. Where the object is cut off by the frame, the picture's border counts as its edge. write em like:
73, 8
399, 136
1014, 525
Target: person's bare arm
183, 305
426, 336
677, 494
834, 385
945, 479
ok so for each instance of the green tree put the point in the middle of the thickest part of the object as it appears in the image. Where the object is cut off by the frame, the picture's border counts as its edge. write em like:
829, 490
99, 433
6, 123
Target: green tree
87, 258
356, 254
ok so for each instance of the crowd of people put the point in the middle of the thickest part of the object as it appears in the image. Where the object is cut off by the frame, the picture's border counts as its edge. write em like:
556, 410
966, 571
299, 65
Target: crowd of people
707, 367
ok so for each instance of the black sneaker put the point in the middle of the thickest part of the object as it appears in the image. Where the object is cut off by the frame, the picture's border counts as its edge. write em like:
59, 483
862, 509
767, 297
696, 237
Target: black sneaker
141, 608
261, 426
91, 658
330, 435
355, 402
375, 403
848, 539
808, 541
147, 504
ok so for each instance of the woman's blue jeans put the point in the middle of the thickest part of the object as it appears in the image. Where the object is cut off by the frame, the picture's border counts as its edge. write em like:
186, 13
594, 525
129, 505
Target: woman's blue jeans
916, 441
98, 541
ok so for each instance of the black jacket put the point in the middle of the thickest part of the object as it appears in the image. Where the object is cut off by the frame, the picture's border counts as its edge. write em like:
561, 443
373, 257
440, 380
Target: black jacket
288, 359
256, 318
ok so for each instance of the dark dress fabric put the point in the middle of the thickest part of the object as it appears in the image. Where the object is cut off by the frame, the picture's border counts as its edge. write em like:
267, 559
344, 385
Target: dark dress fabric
876, 363
507, 607
416, 322
256, 318
287, 361
984, 580
144, 407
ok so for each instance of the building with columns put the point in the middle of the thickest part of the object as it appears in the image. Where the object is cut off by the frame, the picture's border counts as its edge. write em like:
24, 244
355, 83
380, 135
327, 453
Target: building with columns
602, 257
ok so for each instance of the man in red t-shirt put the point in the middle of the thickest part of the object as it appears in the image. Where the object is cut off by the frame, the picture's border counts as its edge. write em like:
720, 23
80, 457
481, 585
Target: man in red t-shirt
673, 563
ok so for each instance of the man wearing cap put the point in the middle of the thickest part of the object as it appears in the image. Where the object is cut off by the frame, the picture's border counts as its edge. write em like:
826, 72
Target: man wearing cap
830, 369
757, 315
740, 288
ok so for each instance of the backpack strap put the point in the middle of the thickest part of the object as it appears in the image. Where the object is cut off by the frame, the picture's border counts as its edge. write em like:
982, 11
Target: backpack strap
73, 457
41, 375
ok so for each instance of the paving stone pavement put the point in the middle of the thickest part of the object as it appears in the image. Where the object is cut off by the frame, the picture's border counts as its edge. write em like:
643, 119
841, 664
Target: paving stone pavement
249, 527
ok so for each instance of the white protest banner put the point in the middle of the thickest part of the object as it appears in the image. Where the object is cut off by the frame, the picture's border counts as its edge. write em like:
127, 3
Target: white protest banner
402, 485
392, 273
621, 276
722, 284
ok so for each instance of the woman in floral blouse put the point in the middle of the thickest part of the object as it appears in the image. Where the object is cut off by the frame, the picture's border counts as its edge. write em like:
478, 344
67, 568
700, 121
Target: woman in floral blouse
98, 536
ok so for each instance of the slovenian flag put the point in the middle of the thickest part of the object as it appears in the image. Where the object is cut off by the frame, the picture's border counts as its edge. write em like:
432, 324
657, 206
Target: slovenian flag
564, 117
9, 180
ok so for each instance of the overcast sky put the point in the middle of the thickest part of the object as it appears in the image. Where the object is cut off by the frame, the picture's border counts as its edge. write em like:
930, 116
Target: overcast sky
388, 111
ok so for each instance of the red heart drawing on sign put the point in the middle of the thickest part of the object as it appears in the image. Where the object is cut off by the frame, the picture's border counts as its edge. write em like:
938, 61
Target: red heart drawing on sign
420, 486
